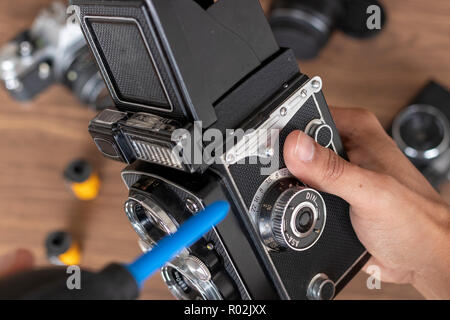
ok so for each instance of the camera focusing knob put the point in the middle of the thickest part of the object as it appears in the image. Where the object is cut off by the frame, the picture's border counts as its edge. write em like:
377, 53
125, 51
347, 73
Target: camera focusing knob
291, 216
321, 288
279, 214
320, 132
198, 268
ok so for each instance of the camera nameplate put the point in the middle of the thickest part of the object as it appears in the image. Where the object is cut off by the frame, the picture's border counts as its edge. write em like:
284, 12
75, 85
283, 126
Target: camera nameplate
254, 144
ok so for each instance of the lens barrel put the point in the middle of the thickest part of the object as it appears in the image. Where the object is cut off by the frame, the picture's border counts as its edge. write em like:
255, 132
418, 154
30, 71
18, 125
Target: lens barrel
422, 132
305, 26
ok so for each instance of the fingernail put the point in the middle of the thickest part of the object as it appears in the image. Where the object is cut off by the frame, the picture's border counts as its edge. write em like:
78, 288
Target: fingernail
305, 147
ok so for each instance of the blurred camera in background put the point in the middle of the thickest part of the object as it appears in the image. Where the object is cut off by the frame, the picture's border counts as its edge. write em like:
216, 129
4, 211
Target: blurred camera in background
52, 51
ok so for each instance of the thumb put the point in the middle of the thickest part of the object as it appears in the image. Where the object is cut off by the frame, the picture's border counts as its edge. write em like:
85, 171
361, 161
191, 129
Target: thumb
324, 170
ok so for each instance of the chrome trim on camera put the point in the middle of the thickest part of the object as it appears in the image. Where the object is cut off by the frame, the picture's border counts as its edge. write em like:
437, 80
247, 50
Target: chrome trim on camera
251, 144
151, 152
419, 154
109, 116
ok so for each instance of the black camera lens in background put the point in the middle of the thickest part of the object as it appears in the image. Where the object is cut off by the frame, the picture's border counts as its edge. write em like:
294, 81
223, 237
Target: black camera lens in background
306, 25
84, 80
353, 20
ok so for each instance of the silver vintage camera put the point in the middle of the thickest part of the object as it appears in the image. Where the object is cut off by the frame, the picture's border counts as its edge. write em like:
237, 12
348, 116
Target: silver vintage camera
52, 51
170, 64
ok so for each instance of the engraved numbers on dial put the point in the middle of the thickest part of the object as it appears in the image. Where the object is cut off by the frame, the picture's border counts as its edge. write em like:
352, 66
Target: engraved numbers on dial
255, 206
287, 214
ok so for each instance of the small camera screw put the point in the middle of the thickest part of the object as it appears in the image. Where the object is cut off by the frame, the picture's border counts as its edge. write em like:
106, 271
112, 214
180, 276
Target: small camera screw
13, 85
270, 152
182, 137
25, 48
230, 158
72, 76
283, 111
44, 70
191, 206
315, 84
304, 93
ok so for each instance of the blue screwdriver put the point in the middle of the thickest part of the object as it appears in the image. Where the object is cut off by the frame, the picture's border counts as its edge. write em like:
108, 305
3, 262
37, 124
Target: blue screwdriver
116, 281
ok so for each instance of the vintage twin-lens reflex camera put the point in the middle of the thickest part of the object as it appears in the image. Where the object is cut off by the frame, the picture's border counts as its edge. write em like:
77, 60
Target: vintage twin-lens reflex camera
52, 51
171, 63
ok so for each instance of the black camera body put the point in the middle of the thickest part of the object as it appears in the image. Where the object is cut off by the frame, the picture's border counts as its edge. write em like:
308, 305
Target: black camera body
172, 63
422, 132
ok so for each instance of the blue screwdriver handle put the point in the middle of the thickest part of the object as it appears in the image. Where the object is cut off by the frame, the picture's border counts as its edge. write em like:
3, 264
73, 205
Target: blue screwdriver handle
187, 234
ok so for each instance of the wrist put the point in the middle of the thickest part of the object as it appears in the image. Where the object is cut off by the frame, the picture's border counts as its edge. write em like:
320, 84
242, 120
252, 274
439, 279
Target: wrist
431, 276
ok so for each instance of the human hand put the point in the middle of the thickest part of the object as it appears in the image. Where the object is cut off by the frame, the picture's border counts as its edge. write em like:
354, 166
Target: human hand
15, 262
400, 219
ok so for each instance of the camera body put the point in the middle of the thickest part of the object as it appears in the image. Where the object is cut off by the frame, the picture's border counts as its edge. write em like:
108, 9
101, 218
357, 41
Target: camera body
52, 51
171, 64
422, 132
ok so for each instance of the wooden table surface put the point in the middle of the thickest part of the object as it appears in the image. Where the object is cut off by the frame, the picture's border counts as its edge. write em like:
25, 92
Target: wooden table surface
38, 139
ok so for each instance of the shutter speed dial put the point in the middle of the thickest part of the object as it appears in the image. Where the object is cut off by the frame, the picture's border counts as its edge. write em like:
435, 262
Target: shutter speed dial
291, 216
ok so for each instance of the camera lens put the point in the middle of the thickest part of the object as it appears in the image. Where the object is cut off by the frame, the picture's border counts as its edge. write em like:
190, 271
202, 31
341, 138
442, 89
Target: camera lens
305, 26
422, 132
304, 220
148, 219
84, 79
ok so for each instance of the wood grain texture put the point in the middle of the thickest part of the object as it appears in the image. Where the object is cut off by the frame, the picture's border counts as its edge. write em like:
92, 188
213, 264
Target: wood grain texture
40, 138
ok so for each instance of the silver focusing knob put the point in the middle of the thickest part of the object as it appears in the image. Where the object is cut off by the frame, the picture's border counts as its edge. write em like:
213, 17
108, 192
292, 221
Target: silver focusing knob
292, 217
320, 132
188, 278
321, 288
197, 268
